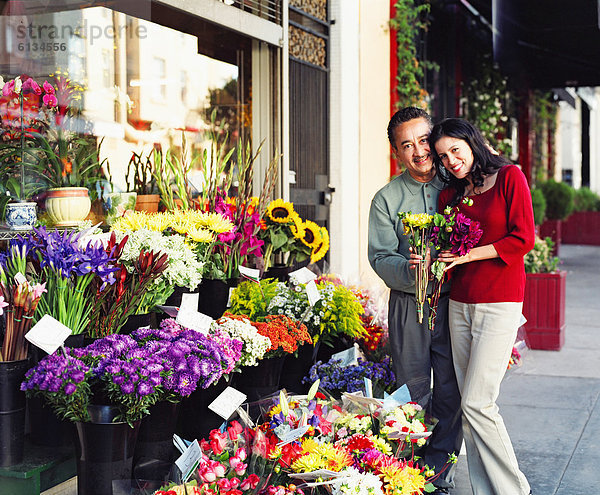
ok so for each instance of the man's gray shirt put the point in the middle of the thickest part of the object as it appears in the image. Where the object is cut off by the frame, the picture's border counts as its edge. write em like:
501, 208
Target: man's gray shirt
388, 246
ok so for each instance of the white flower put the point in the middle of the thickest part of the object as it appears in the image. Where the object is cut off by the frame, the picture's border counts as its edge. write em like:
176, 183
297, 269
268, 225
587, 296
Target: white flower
255, 344
18, 84
352, 482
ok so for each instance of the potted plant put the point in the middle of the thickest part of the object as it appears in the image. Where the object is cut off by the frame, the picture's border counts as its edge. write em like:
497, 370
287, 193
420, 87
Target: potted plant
583, 225
559, 205
70, 161
544, 303
20, 177
141, 180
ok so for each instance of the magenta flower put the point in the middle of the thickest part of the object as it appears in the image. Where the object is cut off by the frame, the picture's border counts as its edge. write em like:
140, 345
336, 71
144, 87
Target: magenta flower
50, 100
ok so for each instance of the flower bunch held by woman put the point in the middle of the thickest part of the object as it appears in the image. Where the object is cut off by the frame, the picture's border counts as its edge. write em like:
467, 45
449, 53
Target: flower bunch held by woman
68, 263
455, 232
418, 228
113, 304
486, 297
18, 300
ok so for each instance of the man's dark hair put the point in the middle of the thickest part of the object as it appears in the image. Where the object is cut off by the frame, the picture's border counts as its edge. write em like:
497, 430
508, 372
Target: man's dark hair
404, 115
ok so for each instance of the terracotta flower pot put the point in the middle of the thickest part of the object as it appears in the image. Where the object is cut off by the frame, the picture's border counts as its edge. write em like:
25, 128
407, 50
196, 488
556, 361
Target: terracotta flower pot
147, 202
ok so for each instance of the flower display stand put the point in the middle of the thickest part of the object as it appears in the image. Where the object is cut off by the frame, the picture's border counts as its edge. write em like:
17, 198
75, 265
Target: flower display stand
41, 469
544, 309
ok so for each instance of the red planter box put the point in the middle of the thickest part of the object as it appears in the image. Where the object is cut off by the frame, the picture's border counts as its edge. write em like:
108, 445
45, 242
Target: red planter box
582, 227
544, 308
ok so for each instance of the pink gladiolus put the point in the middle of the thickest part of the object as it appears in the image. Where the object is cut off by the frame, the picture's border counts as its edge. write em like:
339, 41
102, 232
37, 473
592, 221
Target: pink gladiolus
38, 290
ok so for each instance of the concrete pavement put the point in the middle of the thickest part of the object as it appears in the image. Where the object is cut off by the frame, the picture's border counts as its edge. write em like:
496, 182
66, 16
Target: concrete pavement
551, 403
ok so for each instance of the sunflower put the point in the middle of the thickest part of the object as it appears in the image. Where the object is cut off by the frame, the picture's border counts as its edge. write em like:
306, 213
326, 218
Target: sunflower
280, 211
312, 234
319, 251
297, 226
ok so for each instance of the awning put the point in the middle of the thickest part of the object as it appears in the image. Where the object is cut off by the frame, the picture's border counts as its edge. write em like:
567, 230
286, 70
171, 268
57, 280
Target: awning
548, 43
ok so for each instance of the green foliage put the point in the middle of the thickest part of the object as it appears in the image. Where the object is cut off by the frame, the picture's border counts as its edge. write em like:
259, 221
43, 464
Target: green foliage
252, 299
487, 105
409, 22
559, 199
540, 259
539, 205
586, 200
341, 316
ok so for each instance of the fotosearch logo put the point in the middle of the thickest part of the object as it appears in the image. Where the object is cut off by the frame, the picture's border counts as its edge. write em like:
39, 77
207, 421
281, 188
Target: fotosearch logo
85, 30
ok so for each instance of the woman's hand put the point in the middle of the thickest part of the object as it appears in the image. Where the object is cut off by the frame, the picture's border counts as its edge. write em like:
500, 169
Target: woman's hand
452, 259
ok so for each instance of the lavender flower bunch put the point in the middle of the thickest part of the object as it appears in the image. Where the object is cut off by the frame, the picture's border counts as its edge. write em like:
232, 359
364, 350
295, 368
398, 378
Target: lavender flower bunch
337, 379
68, 266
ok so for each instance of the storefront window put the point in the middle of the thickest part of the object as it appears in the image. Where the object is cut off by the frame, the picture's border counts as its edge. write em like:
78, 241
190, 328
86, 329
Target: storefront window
140, 85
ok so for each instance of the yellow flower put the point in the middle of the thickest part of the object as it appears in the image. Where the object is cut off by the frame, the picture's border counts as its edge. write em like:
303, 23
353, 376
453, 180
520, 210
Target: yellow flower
134, 221
312, 234
216, 222
402, 480
280, 211
201, 235
321, 456
381, 445
297, 226
319, 251
159, 221
419, 220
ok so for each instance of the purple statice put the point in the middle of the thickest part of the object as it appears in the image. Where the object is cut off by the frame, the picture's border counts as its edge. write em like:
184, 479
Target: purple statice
465, 234
231, 349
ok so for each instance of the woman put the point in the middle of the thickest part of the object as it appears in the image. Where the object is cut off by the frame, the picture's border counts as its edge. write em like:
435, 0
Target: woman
486, 295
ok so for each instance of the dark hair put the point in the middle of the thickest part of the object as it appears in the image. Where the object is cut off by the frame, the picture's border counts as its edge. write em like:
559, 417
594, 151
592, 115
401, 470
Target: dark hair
484, 161
404, 115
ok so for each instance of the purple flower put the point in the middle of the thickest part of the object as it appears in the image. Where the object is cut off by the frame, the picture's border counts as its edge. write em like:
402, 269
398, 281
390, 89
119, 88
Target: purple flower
465, 235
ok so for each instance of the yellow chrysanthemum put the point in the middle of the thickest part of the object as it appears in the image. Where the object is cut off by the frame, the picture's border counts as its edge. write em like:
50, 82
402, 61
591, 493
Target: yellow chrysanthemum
321, 249
308, 463
381, 445
403, 480
135, 221
321, 456
158, 221
216, 222
280, 211
297, 226
201, 235
418, 220
312, 234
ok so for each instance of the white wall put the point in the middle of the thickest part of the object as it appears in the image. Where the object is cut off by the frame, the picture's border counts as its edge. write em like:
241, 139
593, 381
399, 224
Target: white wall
595, 144
359, 109
568, 142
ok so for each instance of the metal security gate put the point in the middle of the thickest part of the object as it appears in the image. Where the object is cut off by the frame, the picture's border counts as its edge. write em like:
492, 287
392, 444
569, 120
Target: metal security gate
309, 109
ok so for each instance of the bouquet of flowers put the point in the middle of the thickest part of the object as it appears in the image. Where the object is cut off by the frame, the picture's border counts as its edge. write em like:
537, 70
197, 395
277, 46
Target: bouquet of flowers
254, 345
336, 379
418, 228
288, 239
454, 232
285, 334
19, 297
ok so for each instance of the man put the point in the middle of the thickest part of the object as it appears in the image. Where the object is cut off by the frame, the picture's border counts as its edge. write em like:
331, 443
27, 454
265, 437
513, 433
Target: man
416, 350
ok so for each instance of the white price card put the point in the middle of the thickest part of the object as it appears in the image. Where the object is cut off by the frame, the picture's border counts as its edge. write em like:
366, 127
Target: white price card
190, 318
292, 435
189, 460
20, 278
312, 292
48, 334
189, 301
361, 399
349, 357
169, 310
251, 273
227, 402
302, 276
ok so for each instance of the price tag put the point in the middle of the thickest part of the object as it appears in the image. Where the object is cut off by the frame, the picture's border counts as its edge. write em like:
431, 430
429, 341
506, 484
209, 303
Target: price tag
251, 273
399, 397
292, 435
48, 334
20, 278
169, 310
227, 402
189, 301
231, 289
302, 276
189, 460
312, 292
368, 387
349, 357
194, 319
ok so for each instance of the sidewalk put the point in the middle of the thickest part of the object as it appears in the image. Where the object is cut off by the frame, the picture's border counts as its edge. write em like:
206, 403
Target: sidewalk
551, 403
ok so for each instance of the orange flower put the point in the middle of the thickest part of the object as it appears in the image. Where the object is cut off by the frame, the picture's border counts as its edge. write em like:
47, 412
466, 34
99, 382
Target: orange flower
67, 167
